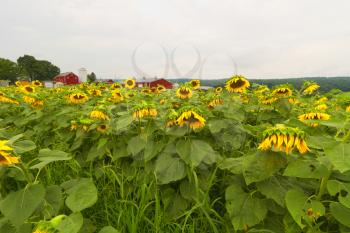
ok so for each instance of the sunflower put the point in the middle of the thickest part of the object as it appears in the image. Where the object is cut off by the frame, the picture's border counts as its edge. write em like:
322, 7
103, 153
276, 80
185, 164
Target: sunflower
4, 99
192, 119
293, 101
28, 89
130, 83
267, 100
321, 100
144, 112
237, 84
160, 88
195, 84
218, 90
5, 157
284, 139
116, 86
347, 109
78, 98
215, 102
29, 100
37, 83
95, 92
146, 91
184, 92
74, 125
282, 91
171, 118
162, 101
102, 128
129, 94
117, 97
98, 115
321, 107
314, 116
310, 87
261, 89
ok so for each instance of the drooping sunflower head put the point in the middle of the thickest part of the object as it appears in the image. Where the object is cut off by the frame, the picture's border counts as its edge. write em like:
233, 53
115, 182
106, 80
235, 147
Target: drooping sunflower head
4, 99
261, 89
309, 87
98, 115
116, 85
285, 139
191, 116
195, 84
293, 100
160, 89
37, 83
184, 92
144, 109
28, 89
237, 84
117, 97
130, 83
5, 157
282, 91
171, 118
78, 98
314, 116
103, 128
95, 92
267, 99
218, 90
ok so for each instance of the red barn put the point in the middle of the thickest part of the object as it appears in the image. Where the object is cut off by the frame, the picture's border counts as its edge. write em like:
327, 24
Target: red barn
68, 78
155, 83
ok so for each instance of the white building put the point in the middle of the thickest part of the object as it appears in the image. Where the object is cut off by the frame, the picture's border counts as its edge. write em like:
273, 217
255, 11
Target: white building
82, 75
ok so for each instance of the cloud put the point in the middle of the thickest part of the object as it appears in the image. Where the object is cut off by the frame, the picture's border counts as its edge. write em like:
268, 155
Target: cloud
270, 39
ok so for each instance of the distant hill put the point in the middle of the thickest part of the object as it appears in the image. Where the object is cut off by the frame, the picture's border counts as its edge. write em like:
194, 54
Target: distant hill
326, 83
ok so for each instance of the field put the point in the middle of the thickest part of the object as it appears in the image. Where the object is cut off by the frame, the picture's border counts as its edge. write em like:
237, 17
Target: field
117, 158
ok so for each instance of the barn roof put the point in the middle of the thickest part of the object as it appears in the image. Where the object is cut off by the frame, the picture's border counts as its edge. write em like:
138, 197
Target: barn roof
64, 74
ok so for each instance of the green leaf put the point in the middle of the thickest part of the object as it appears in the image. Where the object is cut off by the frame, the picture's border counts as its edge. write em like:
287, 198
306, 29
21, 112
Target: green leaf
153, 148
193, 152
54, 200
343, 189
244, 209
234, 165
305, 168
108, 229
124, 121
81, 195
261, 165
340, 213
19, 205
295, 202
275, 188
47, 156
23, 146
169, 169
339, 155
71, 223
136, 145
174, 204
215, 126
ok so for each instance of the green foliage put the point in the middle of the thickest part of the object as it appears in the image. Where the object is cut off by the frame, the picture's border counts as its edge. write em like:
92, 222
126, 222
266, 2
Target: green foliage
9, 70
37, 69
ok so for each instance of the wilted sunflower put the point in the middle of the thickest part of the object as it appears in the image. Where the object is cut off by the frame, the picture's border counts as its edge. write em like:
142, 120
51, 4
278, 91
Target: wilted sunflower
130, 83
237, 84
102, 128
28, 89
195, 84
284, 139
4, 99
282, 91
98, 115
218, 90
215, 102
309, 87
160, 88
321, 107
184, 92
37, 83
191, 118
171, 118
95, 92
116, 86
5, 157
314, 116
78, 98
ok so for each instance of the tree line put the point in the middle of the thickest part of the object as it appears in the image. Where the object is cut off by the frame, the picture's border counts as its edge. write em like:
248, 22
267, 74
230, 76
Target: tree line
27, 67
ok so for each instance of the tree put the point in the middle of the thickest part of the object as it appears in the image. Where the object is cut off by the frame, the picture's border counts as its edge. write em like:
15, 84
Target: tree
37, 69
9, 70
91, 77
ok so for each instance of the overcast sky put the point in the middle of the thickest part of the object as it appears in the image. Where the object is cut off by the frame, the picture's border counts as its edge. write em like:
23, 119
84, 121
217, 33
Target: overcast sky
266, 38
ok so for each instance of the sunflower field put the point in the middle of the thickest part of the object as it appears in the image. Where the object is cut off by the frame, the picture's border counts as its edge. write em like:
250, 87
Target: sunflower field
116, 158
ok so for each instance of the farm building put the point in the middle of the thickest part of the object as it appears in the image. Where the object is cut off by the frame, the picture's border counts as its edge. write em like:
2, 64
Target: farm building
155, 83
68, 78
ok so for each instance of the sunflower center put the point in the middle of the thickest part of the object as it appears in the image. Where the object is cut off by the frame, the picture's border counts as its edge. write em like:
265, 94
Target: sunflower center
129, 82
184, 92
29, 89
78, 97
103, 127
237, 84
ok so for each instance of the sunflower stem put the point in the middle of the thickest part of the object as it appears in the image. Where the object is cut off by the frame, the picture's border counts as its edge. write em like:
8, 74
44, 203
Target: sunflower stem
323, 185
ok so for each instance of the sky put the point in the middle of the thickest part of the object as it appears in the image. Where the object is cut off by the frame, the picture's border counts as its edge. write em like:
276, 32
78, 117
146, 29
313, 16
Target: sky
202, 38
